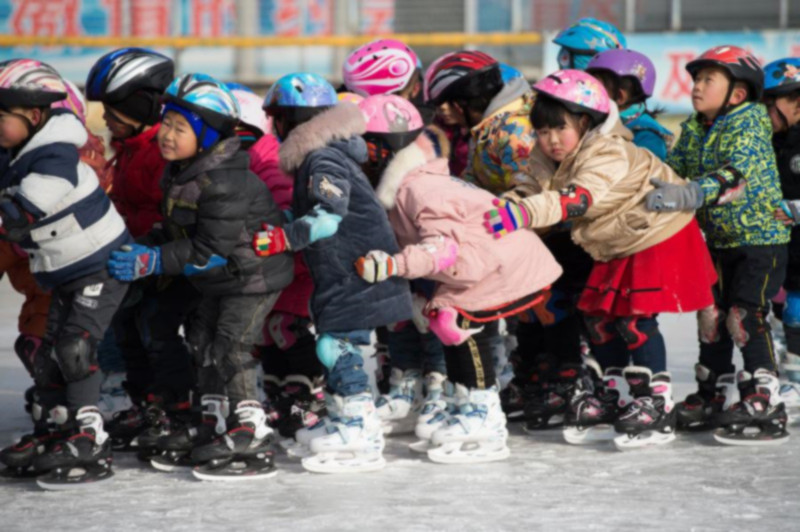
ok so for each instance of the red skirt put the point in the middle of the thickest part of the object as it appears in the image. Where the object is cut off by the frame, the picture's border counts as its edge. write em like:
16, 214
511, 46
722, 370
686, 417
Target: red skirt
673, 276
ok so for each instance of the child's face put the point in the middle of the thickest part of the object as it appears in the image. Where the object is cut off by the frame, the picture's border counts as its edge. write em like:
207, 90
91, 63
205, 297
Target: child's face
451, 115
709, 91
558, 142
789, 107
176, 139
13, 130
119, 125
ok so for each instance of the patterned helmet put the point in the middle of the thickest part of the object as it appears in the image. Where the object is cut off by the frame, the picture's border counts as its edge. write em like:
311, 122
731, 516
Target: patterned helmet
782, 77
739, 63
74, 101
385, 66
120, 73
393, 119
301, 89
234, 86
591, 36
252, 112
507, 72
29, 83
577, 90
350, 97
627, 63
464, 74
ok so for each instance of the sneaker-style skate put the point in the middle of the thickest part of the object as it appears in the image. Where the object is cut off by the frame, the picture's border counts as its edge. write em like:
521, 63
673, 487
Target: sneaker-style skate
439, 404
759, 418
399, 408
591, 416
650, 419
353, 440
83, 459
243, 453
476, 433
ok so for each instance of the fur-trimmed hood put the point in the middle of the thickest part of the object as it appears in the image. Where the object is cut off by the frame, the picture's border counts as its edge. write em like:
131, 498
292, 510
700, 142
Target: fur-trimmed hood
418, 153
340, 122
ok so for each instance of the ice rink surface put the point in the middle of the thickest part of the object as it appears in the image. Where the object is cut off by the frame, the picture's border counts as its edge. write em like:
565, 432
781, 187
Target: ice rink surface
692, 484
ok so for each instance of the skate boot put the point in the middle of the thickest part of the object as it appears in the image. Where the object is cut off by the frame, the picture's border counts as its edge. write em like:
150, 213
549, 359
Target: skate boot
591, 416
759, 418
243, 453
512, 400
302, 404
19, 457
476, 433
650, 419
546, 406
176, 447
699, 411
300, 446
82, 459
399, 408
436, 409
383, 366
113, 396
160, 422
273, 399
353, 440
125, 425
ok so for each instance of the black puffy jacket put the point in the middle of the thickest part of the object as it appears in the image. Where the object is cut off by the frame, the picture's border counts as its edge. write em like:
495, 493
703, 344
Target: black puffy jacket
787, 151
213, 207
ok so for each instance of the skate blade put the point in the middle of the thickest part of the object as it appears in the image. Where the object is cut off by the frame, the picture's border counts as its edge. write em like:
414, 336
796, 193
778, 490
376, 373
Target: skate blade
343, 463
421, 446
648, 438
589, 435
75, 479
454, 453
167, 466
231, 472
553, 423
517, 415
749, 439
299, 451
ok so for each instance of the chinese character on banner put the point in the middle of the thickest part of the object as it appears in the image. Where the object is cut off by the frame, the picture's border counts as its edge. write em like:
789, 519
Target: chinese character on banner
286, 17
558, 14
150, 18
320, 17
377, 16
679, 83
113, 9
45, 17
212, 18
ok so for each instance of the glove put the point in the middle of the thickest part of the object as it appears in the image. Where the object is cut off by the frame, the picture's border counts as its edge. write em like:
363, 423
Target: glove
377, 266
507, 217
791, 208
321, 224
134, 261
669, 197
271, 241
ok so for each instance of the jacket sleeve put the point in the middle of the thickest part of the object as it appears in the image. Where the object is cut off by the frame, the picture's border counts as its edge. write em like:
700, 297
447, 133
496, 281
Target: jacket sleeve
676, 158
436, 251
221, 213
51, 178
650, 140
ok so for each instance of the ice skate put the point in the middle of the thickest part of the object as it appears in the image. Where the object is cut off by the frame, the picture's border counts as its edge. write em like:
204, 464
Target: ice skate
760, 417
300, 445
476, 433
650, 419
353, 441
272, 399
125, 425
399, 408
699, 410
790, 367
81, 460
160, 422
304, 403
546, 405
790, 395
113, 396
435, 411
243, 453
512, 400
591, 416
19, 457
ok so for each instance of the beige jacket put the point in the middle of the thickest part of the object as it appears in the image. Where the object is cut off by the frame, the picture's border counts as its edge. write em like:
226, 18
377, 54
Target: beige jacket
617, 175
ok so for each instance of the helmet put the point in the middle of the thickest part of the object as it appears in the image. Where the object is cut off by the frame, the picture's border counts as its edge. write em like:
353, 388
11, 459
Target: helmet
464, 74
507, 72
252, 113
591, 36
206, 103
739, 63
74, 101
131, 80
384, 66
577, 90
301, 89
782, 77
627, 63
392, 119
29, 83
350, 97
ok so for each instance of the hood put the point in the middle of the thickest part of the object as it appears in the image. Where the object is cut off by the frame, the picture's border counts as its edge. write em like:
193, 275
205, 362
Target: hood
225, 154
338, 123
514, 89
611, 125
62, 126
419, 153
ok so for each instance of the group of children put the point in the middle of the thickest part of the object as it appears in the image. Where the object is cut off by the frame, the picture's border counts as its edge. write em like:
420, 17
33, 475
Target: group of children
430, 205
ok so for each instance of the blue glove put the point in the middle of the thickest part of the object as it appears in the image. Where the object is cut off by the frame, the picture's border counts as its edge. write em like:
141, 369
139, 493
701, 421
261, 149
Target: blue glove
322, 224
134, 261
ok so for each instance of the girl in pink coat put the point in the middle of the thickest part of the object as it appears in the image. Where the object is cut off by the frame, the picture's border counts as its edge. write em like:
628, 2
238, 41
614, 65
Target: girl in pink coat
438, 221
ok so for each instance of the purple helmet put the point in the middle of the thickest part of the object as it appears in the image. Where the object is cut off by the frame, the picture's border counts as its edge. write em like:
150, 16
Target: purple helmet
627, 63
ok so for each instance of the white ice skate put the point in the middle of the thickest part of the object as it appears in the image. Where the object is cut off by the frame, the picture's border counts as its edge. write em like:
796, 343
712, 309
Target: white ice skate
649, 420
477, 433
435, 412
398, 410
353, 442
790, 395
113, 397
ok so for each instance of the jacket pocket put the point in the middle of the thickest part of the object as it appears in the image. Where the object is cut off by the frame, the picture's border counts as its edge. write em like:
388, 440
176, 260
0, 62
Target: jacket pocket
61, 242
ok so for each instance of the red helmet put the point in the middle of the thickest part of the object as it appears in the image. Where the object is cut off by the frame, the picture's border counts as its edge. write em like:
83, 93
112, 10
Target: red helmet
739, 63
464, 74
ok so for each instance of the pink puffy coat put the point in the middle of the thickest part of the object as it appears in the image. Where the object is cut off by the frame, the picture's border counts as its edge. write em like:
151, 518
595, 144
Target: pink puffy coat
425, 204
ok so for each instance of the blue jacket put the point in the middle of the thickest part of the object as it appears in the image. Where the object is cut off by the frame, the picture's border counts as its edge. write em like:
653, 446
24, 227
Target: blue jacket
325, 157
649, 134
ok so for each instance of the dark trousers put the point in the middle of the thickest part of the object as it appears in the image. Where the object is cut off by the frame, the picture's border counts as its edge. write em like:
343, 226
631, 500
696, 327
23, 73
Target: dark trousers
472, 362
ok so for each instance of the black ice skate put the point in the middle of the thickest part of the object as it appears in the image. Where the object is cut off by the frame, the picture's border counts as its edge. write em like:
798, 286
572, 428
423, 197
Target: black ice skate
591, 416
546, 405
650, 419
302, 405
160, 422
699, 411
759, 418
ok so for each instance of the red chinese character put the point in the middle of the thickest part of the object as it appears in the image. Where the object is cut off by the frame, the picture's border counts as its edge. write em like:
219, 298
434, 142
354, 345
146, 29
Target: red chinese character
679, 83
114, 11
319, 16
287, 17
45, 17
150, 18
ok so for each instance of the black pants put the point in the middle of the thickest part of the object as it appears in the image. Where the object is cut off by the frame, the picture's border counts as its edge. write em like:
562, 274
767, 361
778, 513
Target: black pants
749, 277
298, 358
472, 363
147, 332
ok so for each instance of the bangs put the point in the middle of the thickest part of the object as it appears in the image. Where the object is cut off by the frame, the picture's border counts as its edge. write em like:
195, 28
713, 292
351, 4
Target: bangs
549, 113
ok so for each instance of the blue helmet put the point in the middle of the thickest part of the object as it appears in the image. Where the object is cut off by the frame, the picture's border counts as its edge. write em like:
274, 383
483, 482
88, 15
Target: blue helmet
507, 72
207, 104
233, 86
782, 77
584, 39
301, 89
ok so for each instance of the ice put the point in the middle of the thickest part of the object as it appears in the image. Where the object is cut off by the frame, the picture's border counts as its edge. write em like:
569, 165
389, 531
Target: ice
692, 484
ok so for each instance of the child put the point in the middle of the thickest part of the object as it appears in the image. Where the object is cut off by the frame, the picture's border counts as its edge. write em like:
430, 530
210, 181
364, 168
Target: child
437, 219
336, 220
54, 209
645, 264
725, 151
629, 78
782, 98
213, 205
584, 39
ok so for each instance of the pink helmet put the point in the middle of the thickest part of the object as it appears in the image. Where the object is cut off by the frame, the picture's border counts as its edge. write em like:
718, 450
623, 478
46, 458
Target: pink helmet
74, 102
351, 97
252, 113
384, 66
392, 119
577, 90
29, 83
